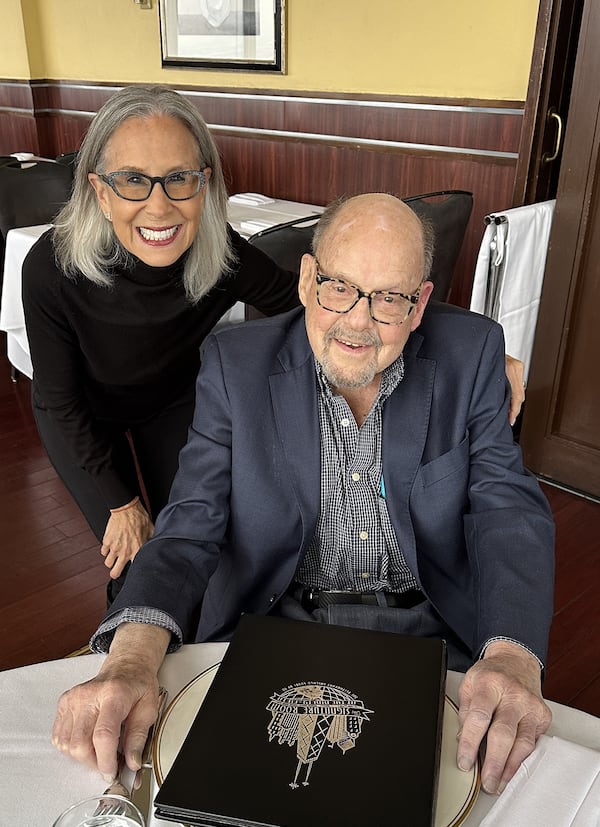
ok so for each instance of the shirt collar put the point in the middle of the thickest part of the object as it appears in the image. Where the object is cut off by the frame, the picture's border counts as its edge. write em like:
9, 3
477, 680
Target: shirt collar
390, 379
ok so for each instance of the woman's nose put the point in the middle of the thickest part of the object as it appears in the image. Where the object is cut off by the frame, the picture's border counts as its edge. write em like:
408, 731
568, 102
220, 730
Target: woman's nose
158, 201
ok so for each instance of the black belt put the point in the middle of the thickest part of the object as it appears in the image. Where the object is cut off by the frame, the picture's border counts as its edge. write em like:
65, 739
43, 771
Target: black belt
311, 599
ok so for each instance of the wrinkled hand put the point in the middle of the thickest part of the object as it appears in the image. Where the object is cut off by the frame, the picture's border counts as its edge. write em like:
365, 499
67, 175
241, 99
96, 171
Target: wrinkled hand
126, 531
501, 696
125, 691
515, 372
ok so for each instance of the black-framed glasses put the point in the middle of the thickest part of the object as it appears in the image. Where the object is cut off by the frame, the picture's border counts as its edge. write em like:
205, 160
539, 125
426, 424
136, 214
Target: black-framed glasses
385, 306
135, 186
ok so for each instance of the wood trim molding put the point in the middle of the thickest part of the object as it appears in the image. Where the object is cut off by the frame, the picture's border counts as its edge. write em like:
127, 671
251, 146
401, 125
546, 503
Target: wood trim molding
312, 146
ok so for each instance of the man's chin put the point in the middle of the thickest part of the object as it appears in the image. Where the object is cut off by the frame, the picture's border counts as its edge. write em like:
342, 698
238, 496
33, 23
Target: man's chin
348, 380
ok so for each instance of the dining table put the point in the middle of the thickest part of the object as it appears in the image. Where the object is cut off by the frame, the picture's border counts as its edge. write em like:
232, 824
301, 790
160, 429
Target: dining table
248, 214
37, 782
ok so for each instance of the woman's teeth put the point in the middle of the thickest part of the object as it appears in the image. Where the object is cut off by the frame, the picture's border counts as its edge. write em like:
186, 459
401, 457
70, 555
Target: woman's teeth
157, 235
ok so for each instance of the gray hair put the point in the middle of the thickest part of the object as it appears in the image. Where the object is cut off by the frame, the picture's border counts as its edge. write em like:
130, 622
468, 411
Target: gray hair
85, 242
330, 213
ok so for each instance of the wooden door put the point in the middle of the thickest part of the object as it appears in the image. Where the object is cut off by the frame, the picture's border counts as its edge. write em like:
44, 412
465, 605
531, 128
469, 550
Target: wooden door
560, 436
547, 105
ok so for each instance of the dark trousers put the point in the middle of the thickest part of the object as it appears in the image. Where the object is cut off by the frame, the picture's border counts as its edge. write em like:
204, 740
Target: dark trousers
421, 621
156, 442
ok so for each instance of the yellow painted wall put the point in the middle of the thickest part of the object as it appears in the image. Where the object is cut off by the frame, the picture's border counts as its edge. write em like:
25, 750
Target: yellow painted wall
462, 49
14, 62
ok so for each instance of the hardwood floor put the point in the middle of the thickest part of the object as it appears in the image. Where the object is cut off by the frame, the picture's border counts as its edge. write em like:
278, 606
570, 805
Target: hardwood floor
52, 589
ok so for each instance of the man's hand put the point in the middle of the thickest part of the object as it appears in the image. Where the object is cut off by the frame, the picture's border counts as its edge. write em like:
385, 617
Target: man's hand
501, 696
126, 531
125, 691
515, 372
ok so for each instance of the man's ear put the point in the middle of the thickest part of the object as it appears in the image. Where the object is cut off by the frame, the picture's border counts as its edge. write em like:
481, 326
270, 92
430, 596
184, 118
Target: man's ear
307, 275
417, 315
101, 190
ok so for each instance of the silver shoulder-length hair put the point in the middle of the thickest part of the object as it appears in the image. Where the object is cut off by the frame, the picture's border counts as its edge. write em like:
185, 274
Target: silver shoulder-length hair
85, 242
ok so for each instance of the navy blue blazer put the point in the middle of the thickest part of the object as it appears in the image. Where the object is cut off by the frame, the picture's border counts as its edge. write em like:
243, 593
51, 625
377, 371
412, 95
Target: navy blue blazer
472, 523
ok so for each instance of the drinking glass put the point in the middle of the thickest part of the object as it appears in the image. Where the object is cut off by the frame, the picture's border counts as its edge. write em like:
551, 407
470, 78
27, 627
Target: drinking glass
102, 811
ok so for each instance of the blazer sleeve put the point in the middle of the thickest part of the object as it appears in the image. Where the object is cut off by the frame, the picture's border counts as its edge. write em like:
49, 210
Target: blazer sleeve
508, 527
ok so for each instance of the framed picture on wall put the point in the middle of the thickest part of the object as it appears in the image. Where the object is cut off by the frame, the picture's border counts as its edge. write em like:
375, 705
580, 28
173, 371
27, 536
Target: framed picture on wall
248, 35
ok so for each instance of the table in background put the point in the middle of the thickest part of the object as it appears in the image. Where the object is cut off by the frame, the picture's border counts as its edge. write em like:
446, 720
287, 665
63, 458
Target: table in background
37, 782
12, 320
248, 213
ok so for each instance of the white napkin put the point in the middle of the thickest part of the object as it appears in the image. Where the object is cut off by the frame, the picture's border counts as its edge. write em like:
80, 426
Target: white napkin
252, 199
255, 225
558, 785
23, 156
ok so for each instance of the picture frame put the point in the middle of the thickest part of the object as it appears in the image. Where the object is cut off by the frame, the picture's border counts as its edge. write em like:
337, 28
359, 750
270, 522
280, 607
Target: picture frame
243, 35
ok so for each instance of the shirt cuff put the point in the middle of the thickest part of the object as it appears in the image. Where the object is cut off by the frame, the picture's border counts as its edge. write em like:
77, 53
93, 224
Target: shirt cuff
102, 637
508, 640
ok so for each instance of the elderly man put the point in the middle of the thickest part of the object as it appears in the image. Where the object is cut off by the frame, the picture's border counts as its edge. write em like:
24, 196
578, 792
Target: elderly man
352, 464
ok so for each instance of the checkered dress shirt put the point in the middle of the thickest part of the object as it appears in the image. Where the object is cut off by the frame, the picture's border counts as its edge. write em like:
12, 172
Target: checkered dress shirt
354, 547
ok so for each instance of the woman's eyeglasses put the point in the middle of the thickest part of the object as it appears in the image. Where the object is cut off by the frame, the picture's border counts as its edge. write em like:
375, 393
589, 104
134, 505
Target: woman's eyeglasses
135, 186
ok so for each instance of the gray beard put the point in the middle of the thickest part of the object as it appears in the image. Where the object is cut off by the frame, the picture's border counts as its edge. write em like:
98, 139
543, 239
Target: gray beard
339, 378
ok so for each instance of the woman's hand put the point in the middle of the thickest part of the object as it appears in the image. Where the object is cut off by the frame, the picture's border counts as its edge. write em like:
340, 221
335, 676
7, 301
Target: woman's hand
515, 371
126, 531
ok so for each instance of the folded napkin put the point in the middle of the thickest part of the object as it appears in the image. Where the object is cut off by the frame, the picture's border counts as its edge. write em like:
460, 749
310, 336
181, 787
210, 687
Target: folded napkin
253, 199
23, 156
255, 225
558, 785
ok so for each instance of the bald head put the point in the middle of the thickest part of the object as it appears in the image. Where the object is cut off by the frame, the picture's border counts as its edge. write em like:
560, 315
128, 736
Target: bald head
372, 217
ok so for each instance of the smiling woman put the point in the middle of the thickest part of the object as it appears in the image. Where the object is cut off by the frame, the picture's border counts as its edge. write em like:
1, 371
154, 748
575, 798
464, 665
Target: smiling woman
118, 298
156, 223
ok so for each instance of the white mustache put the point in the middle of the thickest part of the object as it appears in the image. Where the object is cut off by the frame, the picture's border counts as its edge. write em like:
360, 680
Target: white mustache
356, 338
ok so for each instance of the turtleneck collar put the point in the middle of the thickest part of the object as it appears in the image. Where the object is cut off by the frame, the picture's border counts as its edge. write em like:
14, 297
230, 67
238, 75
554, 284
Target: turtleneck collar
141, 273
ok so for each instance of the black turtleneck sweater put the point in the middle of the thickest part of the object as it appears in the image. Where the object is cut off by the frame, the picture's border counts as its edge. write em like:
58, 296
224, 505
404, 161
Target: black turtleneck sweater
120, 354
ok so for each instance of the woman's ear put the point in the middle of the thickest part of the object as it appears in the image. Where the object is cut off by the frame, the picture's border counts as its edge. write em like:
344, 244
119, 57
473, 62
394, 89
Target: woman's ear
101, 189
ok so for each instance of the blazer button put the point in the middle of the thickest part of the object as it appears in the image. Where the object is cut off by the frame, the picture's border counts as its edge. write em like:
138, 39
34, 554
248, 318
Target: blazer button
273, 598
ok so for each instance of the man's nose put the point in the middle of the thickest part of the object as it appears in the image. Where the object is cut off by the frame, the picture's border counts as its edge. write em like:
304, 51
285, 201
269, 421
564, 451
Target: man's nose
360, 314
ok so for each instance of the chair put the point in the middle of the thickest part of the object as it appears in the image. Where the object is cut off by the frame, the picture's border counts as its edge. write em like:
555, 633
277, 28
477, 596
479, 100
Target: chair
31, 193
286, 243
448, 211
69, 159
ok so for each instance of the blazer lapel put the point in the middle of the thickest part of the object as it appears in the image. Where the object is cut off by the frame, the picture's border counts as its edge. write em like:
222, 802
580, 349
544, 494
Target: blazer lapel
294, 400
406, 416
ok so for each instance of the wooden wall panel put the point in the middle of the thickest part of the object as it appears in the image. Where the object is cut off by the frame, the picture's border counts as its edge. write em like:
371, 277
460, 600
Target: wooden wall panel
312, 147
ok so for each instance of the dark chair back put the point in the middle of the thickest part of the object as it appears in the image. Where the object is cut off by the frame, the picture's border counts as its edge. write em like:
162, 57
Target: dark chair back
286, 243
448, 211
31, 193
69, 159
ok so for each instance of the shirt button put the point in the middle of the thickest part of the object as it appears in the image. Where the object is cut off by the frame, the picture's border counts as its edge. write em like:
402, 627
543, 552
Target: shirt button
365, 575
356, 476
345, 422
364, 535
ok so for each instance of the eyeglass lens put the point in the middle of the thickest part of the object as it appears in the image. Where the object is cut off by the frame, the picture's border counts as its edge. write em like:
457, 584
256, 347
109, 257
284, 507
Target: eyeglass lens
137, 187
339, 297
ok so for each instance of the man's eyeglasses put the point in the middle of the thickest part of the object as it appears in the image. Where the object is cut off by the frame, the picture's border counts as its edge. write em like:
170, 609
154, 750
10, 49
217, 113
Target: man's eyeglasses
385, 306
135, 186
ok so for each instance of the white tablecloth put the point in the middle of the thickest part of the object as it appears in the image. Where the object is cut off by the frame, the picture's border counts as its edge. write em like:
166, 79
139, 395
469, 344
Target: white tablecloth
12, 320
247, 213
37, 782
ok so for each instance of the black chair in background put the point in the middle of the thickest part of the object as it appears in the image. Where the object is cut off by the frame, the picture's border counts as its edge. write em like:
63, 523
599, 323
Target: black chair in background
69, 159
448, 211
31, 193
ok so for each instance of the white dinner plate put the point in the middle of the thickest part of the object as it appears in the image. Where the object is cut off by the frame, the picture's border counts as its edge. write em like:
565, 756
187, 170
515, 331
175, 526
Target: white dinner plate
457, 790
